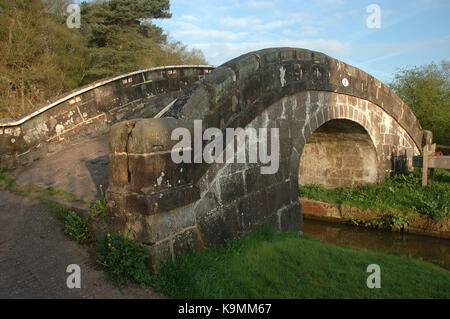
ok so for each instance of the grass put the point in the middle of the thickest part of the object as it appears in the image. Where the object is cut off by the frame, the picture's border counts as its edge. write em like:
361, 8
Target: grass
75, 226
57, 191
400, 193
31, 190
5, 179
267, 264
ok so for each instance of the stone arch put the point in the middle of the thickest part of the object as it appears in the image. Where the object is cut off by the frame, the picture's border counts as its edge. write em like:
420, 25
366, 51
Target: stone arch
172, 207
388, 138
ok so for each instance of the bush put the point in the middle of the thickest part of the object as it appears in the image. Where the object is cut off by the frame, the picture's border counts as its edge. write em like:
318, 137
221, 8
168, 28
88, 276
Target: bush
123, 260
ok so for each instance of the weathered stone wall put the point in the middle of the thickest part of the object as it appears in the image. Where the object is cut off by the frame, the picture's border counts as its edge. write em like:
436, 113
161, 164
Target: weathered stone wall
175, 207
340, 153
90, 110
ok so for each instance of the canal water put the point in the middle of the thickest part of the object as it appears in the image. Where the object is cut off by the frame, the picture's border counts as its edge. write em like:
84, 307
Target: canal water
430, 249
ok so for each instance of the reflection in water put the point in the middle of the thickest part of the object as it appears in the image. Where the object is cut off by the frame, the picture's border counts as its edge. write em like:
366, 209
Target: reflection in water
425, 248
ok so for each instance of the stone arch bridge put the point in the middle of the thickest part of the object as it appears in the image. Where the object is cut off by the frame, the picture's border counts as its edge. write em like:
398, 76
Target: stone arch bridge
337, 125
346, 125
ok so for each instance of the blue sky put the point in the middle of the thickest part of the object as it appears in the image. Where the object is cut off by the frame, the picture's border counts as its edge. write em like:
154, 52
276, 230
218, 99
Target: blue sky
412, 32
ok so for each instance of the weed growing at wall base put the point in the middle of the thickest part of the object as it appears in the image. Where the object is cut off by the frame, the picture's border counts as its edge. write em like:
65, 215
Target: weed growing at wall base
123, 260
76, 227
98, 207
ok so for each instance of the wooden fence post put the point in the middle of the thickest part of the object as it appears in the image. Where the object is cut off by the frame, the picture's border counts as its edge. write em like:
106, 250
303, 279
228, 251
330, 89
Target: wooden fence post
425, 165
428, 151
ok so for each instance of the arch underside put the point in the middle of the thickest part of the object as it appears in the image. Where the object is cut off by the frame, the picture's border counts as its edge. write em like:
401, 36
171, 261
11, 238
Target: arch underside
340, 153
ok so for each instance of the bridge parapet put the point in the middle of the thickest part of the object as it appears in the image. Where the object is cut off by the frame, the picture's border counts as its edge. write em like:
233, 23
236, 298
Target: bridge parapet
90, 111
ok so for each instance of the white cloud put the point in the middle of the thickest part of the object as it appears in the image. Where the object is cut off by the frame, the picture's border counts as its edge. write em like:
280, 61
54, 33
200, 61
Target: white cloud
383, 51
191, 31
244, 22
290, 32
197, 33
261, 4
189, 17
219, 53
308, 30
332, 2
272, 25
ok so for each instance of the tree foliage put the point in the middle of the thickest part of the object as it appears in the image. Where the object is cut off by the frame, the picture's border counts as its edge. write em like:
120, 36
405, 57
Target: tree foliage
42, 57
426, 90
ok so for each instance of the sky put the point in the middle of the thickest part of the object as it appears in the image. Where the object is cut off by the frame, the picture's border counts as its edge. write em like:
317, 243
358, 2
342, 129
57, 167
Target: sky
410, 33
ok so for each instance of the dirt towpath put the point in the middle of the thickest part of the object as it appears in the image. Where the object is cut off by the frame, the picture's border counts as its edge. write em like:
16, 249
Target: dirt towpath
34, 252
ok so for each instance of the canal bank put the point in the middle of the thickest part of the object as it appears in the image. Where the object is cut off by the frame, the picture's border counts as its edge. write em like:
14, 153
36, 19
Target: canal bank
343, 214
425, 248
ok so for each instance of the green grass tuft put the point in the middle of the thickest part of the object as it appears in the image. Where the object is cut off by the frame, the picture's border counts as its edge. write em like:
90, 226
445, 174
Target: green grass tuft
98, 207
57, 191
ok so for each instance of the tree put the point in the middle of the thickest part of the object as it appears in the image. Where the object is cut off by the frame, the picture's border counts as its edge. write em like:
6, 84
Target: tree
120, 36
426, 90
177, 53
40, 58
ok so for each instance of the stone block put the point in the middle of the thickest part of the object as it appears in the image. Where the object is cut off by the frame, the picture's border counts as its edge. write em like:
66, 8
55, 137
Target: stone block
207, 203
158, 254
254, 208
166, 224
153, 135
291, 217
156, 172
244, 67
185, 241
280, 195
231, 187
218, 225
118, 170
319, 208
171, 198
222, 82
